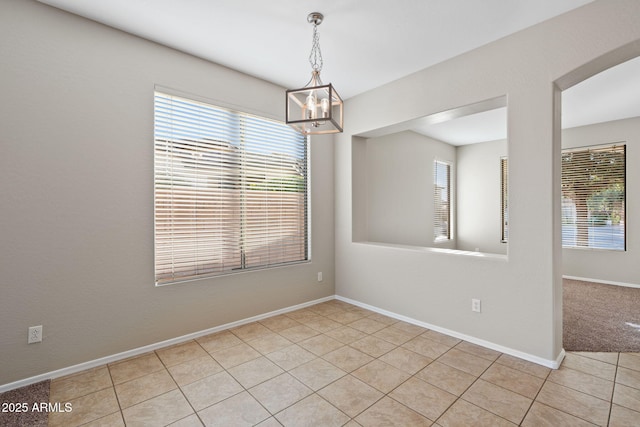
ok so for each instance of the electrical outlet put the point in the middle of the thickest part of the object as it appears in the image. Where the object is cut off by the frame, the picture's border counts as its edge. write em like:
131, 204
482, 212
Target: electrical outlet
319, 276
475, 305
35, 334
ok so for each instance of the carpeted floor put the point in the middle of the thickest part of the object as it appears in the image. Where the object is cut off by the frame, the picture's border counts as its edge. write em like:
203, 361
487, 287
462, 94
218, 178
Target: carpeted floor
17, 406
599, 317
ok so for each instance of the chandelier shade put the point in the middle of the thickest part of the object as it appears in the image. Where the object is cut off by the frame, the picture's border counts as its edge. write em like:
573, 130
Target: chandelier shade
316, 108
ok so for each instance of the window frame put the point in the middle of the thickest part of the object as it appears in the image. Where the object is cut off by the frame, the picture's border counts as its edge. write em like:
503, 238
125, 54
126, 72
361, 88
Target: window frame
504, 199
253, 157
615, 147
437, 205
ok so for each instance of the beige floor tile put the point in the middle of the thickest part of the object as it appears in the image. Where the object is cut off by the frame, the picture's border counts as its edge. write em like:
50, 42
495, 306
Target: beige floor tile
524, 366
446, 378
514, 380
317, 373
250, 331
193, 370
325, 309
211, 390
463, 413
350, 395
159, 411
298, 333
269, 343
347, 358
279, 323
367, 325
346, 335
611, 358
136, 367
441, 338
406, 360
373, 346
476, 350
415, 330
585, 383
390, 413
180, 353
423, 398
219, 341
363, 311
628, 397
255, 372
545, 416
80, 384
302, 314
323, 324
466, 362
291, 357
630, 361
623, 417
280, 392
590, 366
579, 404
382, 319
426, 347
269, 422
144, 388
320, 344
86, 408
381, 376
239, 410
190, 421
112, 420
312, 411
628, 377
500, 401
346, 316
393, 335
236, 355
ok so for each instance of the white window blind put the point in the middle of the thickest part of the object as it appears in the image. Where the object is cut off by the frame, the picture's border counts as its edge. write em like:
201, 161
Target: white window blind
441, 198
230, 191
593, 197
504, 198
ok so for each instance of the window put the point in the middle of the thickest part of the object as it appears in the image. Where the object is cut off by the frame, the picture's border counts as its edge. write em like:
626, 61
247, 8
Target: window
504, 199
441, 198
230, 191
593, 197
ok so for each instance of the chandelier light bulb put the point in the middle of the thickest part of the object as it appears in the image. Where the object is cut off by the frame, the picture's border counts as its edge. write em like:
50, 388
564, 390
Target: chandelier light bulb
325, 105
311, 106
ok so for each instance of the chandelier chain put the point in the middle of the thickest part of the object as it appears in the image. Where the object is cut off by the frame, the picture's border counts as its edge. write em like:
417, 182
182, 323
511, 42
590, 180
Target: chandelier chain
315, 57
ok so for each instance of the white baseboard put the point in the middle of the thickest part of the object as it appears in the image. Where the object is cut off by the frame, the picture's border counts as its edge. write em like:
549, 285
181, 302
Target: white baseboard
151, 347
554, 364
604, 282
550, 363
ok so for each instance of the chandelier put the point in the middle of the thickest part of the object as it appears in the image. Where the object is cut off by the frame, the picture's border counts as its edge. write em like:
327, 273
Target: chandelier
316, 108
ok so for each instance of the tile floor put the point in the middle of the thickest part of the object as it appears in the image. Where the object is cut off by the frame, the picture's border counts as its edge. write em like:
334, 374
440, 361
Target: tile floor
337, 364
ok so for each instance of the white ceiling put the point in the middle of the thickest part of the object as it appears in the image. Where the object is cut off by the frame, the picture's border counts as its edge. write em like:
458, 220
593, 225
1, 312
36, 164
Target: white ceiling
364, 44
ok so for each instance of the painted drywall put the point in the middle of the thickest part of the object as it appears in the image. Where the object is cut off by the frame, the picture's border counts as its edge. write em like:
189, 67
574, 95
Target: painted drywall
521, 293
399, 191
478, 213
610, 266
76, 190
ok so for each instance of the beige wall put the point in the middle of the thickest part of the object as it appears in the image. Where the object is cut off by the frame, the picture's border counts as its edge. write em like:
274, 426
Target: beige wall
76, 191
399, 191
521, 293
479, 219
